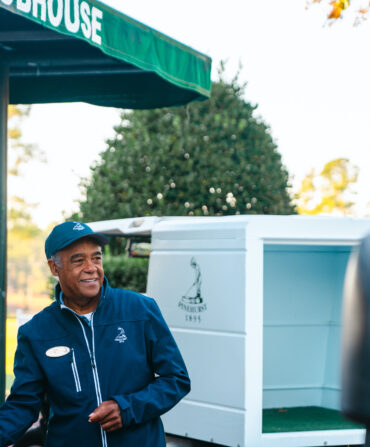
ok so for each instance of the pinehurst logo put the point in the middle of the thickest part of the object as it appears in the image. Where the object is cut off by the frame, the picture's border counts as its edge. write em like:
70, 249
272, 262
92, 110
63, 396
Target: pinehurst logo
121, 337
192, 301
78, 227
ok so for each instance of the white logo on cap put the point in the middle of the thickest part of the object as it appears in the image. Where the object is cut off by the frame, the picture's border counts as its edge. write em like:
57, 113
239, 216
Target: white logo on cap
78, 226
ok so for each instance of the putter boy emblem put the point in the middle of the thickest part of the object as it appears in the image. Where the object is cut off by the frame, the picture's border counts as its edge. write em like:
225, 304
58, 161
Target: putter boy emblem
121, 337
192, 302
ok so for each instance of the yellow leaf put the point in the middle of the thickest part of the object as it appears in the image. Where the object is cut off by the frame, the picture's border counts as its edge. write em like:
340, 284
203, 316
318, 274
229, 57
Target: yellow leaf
338, 7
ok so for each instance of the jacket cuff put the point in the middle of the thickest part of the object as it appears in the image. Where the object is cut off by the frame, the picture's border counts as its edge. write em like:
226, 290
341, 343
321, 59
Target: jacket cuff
124, 406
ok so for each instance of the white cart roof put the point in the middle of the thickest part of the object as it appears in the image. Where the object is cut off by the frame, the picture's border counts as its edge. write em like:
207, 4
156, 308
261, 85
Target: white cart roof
140, 226
272, 229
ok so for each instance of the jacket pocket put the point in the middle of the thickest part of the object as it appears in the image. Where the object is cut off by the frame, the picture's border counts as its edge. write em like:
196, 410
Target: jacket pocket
75, 371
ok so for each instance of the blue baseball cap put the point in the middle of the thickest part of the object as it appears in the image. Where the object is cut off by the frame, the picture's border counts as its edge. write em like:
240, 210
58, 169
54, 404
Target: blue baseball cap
66, 233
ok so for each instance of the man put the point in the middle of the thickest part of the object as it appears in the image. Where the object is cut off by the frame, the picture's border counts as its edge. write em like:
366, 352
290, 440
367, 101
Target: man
104, 357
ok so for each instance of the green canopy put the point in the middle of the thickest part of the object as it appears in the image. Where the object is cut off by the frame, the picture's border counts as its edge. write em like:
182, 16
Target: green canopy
73, 50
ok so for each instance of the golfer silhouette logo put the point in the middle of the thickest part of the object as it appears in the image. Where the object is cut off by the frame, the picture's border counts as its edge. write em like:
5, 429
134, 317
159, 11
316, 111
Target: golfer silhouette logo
194, 295
78, 227
121, 337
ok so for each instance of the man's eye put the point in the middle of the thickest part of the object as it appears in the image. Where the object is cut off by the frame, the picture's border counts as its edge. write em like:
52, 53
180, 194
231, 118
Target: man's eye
77, 261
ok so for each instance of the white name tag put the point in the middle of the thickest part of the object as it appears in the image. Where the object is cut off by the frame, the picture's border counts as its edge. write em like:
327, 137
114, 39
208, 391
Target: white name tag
57, 351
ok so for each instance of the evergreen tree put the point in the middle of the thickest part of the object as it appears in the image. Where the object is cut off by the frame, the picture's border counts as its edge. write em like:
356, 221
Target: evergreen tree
208, 158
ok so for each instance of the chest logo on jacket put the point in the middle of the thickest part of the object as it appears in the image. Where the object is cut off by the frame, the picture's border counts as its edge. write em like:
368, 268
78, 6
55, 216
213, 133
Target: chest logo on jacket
121, 337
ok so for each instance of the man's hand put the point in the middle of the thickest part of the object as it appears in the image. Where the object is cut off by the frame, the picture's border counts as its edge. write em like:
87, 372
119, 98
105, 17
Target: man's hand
108, 415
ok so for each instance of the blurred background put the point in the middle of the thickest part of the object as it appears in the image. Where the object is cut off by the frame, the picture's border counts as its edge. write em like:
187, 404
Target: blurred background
285, 131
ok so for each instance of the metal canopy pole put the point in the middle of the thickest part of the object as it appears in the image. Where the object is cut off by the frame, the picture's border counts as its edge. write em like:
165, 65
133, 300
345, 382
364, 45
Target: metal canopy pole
4, 101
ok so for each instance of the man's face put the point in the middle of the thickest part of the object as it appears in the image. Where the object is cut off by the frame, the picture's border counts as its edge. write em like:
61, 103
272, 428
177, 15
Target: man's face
81, 274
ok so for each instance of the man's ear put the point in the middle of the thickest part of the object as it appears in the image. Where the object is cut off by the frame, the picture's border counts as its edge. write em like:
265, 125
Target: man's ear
53, 267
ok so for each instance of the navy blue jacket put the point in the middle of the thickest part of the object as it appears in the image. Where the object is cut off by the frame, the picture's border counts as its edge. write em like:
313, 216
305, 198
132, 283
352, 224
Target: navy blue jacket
127, 354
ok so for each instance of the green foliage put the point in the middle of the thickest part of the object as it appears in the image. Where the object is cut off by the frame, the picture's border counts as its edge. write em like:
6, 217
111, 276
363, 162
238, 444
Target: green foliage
126, 273
50, 286
208, 158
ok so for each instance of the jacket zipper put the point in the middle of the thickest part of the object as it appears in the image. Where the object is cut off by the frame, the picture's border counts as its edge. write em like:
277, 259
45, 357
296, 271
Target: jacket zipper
75, 371
94, 371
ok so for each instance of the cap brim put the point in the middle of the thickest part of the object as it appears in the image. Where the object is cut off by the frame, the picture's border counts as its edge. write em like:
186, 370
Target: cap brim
98, 237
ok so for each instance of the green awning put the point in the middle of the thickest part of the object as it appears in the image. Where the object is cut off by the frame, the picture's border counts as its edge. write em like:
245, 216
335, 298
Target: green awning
73, 50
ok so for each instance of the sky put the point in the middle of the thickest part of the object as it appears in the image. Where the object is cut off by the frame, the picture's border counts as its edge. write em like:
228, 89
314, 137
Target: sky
309, 80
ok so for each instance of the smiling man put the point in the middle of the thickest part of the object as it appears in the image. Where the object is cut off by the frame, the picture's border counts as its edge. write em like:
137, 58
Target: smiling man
104, 357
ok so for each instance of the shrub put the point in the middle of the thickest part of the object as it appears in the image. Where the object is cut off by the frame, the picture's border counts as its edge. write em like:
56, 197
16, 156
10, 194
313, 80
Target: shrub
126, 273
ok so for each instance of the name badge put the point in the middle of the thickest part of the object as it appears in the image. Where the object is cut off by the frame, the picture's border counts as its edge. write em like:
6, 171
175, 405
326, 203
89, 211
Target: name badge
57, 351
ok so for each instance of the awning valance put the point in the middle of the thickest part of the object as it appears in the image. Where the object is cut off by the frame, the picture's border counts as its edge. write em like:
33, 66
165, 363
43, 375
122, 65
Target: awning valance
73, 50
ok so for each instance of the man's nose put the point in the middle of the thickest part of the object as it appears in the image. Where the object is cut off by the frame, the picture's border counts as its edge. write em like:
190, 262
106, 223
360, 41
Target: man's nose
89, 266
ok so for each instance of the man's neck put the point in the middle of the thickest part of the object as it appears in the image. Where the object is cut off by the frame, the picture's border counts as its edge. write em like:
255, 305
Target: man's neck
81, 305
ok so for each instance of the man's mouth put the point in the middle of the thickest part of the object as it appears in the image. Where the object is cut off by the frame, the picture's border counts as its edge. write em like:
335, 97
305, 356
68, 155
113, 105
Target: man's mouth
89, 280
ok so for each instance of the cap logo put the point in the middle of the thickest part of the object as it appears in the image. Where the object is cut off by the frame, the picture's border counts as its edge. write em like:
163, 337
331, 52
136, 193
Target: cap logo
78, 227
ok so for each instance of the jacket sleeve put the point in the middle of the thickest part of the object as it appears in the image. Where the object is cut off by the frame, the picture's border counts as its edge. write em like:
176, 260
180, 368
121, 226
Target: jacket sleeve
22, 407
170, 378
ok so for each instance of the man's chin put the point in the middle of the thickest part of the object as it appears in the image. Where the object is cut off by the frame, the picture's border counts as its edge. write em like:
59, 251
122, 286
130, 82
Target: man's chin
90, 291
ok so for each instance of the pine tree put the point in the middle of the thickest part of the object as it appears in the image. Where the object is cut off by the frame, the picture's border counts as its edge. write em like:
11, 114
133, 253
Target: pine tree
208, 158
